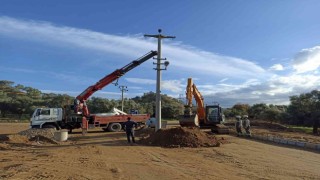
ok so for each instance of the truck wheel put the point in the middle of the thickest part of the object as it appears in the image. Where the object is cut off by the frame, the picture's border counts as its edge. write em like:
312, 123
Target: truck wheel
49, 126
114, 127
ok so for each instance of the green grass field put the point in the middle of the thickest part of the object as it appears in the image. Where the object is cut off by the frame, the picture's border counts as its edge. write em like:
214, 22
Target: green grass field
301, 128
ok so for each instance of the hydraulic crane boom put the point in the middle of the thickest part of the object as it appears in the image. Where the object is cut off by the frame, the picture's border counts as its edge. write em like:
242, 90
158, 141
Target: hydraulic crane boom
80, 99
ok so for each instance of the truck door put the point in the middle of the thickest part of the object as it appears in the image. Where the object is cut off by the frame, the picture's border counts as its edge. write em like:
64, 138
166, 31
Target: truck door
39, 117
36, 114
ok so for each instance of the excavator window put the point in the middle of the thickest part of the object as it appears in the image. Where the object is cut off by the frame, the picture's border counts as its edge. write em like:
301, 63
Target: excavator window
213, 114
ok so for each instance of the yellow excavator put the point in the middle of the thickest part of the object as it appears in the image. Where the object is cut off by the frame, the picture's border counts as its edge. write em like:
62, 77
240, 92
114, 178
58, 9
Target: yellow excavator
206, 117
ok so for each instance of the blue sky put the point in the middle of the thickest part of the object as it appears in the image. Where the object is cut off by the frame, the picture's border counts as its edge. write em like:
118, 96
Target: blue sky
236, 51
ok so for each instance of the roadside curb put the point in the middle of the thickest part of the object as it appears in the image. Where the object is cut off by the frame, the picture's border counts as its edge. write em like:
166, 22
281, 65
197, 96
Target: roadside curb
288, 142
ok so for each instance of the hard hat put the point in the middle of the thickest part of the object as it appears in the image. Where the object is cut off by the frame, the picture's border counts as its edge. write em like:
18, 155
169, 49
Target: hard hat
245, 116
238, 117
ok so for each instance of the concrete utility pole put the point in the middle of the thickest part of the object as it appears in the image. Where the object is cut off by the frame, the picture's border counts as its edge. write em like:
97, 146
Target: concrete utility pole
122, 89
158, 88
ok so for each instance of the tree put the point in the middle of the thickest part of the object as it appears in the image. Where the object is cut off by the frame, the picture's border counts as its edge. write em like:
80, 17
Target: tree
5, 99
257, 110
305, 109
271, 114
99, 105
171, 107
18, 99
240, 109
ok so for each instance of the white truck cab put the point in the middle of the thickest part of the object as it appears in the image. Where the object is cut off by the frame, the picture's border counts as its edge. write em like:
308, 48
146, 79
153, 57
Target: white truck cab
46, 117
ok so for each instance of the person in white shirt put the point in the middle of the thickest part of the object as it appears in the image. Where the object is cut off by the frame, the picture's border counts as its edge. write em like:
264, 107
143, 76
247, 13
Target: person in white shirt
246, 125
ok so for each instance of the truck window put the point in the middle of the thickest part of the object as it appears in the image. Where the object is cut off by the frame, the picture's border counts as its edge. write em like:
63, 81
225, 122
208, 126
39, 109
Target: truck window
55, 111
38, 112
45, 112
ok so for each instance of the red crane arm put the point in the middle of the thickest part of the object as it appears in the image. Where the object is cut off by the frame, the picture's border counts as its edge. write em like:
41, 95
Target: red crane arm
98, 86
81, 98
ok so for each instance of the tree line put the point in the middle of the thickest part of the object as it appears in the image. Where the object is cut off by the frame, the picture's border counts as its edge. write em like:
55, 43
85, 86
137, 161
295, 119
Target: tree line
20, 100
303, 110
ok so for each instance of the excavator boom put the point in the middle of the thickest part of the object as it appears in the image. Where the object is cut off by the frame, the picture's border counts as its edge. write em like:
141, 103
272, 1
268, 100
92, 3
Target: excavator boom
189, 119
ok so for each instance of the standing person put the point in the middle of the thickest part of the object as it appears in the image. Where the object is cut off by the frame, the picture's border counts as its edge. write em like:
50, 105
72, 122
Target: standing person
129, 128
238, 125
246, 125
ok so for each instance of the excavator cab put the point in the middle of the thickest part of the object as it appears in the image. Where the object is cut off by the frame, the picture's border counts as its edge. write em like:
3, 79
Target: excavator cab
214, 115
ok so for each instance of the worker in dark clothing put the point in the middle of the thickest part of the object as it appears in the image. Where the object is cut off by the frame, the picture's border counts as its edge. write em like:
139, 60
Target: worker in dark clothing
129, 128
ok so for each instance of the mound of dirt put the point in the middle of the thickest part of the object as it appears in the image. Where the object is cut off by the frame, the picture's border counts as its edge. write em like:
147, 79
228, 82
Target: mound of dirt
43, 139
144, 132
42, 136
17, 139
4, 146
180, 137
46, 132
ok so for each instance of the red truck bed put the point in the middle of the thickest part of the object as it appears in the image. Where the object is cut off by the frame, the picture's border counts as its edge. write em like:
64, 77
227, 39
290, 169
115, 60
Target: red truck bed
102, 119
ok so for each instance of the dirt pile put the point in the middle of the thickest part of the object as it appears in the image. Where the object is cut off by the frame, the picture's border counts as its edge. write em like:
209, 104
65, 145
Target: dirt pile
144, 132
46, 132
41, 136
16, 138
180, 137
4, 146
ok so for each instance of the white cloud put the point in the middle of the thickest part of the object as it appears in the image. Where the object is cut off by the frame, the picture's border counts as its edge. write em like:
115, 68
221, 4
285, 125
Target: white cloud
181, 56
240, 80
194, 60
141, 81
276, 90
307, 60
175, 86
276, 67
223, 80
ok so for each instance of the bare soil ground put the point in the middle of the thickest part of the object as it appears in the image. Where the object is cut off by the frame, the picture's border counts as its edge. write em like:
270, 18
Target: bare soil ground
278, 130
101, 155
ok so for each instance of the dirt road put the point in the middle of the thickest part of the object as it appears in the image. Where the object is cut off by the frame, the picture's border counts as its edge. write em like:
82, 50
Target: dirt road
100, 155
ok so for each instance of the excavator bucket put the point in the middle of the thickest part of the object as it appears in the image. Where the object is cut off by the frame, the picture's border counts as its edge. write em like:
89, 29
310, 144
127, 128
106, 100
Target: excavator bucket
189, 121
